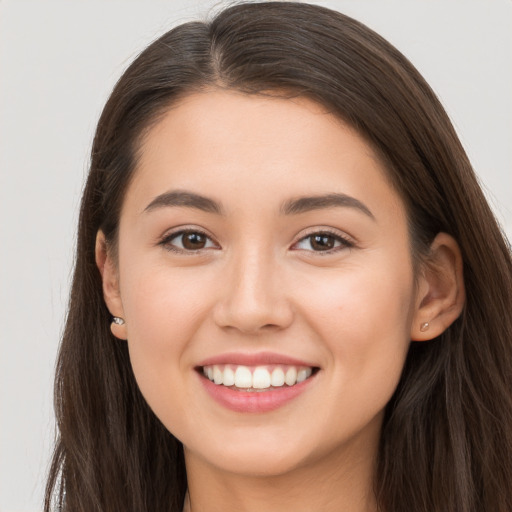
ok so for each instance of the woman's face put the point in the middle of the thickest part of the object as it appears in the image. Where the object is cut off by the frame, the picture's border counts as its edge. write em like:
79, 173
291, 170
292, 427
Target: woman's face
260, 241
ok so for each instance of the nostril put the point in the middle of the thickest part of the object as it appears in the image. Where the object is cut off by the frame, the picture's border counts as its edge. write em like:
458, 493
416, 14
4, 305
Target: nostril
251, 308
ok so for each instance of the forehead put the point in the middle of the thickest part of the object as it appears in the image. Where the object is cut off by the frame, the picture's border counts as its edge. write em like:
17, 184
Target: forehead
245, 148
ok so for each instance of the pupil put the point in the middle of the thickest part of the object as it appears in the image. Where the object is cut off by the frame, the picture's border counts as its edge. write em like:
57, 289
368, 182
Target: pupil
322, 242
193, 241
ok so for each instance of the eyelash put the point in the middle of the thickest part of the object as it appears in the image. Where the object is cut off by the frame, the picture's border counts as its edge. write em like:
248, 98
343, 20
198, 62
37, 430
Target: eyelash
344, 243
166, 241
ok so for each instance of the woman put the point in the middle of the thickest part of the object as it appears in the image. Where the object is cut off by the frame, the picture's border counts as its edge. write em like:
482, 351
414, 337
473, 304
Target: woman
290, 292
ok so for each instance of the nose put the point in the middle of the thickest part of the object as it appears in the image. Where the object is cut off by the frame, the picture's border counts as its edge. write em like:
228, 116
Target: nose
253, 297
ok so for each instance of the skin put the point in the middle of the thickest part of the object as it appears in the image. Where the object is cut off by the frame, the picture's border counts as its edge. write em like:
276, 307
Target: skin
259, 285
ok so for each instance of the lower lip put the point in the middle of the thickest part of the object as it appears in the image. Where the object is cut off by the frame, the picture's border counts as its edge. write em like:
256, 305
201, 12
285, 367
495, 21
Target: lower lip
256, 401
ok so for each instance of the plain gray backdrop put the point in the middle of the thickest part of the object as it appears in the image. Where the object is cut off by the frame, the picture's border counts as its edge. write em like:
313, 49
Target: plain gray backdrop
58, 62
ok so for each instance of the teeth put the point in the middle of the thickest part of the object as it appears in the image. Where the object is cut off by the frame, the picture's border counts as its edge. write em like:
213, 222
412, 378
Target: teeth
259, 377
243, 377
277, 379
218, 376
303, 374
291, 376
229, 377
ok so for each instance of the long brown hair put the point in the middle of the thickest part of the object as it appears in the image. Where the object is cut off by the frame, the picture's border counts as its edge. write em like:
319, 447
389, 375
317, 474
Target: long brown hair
446, 442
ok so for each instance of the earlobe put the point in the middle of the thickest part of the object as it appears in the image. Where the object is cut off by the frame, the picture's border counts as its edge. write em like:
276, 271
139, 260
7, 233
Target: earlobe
110, 282
441, 293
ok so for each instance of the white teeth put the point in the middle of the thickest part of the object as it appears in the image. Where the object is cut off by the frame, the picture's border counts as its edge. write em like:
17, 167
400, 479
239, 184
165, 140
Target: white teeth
277, 379
291, 376
259, 377
243, 377
217, 375
303, 374
229, 377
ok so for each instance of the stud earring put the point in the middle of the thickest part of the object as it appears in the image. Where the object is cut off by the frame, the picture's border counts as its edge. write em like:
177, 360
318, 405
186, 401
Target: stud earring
424, 326
117, 320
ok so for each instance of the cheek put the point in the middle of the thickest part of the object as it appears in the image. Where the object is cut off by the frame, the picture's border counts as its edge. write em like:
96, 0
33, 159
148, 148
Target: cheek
162, 303
363, 316
363, 325
163, 309
361, 300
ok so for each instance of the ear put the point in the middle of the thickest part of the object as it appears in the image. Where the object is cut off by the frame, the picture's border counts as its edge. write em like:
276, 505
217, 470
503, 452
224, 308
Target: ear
110, 279
440, 292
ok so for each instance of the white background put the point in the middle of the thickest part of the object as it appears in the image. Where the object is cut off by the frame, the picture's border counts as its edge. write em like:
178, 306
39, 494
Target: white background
58, 62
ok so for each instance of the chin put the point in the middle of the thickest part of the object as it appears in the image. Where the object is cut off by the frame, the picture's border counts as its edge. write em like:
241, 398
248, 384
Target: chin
258, 463
264, 456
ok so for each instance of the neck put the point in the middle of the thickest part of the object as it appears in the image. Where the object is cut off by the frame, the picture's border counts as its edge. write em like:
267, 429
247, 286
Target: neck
339, 481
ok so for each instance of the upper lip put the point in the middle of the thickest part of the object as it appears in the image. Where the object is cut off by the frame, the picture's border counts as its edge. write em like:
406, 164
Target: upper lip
256, 359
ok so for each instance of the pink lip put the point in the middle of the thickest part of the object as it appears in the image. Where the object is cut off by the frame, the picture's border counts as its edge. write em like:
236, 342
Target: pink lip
254, 402
257, 359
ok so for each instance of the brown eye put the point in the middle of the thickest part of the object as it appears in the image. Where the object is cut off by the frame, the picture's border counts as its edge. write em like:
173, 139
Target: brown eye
193, 241
188, 241
323, 242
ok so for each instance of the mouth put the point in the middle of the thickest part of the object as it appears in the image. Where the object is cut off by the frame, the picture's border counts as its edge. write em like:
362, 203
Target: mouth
256, 383
257, 379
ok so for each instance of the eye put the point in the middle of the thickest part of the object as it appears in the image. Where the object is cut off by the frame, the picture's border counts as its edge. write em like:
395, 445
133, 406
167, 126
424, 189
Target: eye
322, 242
188, 241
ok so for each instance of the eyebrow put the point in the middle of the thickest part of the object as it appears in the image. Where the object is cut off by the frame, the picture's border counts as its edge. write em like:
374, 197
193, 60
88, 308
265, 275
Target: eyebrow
186, 199
306, 204
292, 207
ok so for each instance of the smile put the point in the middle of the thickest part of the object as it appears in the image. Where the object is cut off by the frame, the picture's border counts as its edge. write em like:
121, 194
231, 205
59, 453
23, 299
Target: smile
256, 378
258, 383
